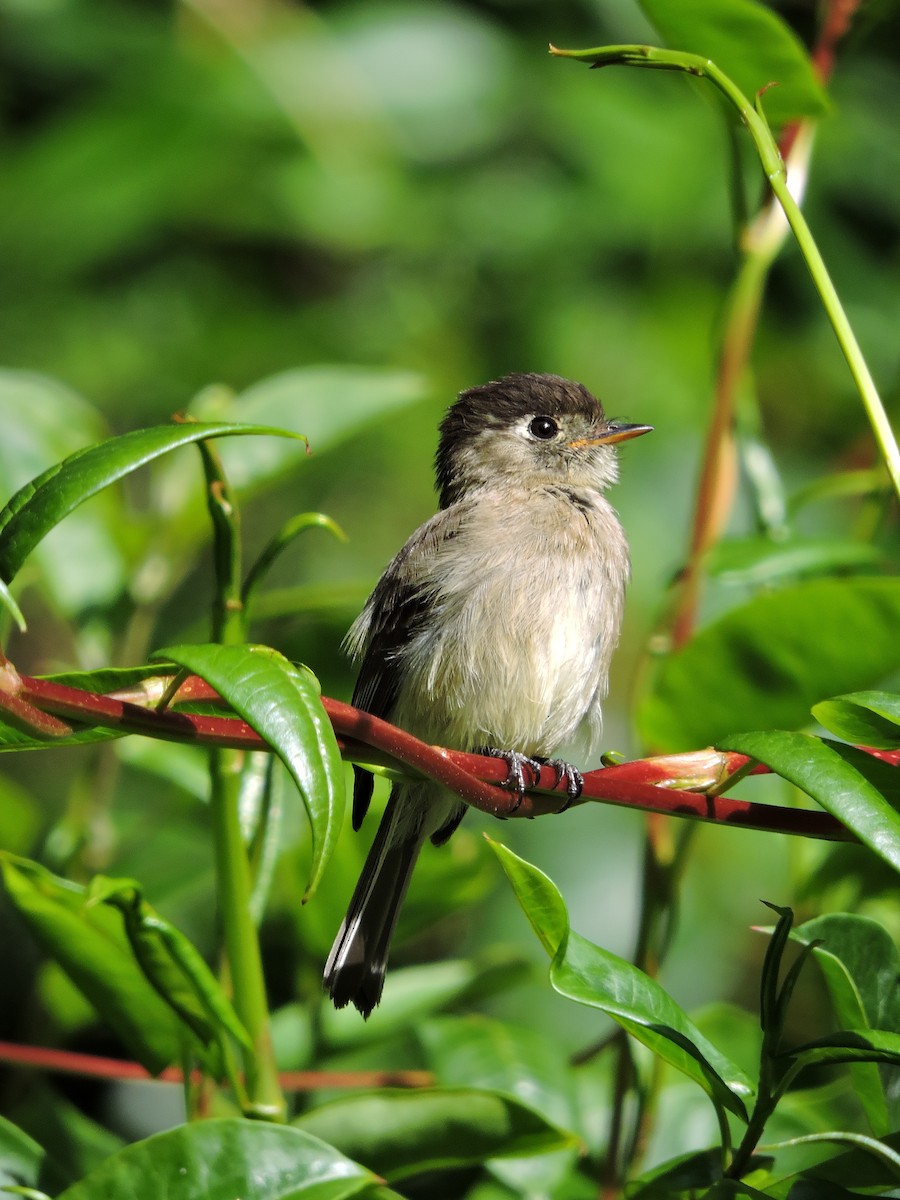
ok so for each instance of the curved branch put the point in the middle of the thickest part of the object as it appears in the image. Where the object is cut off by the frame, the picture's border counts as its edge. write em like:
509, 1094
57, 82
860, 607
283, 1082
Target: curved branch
679, 785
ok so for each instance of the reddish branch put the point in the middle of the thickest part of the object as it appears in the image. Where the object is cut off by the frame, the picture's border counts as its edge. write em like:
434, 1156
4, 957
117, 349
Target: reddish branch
683, 785
92, 1066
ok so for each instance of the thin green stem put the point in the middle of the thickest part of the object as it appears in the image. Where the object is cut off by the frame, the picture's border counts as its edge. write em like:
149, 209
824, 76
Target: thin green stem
773, 166
233, 874
241, 942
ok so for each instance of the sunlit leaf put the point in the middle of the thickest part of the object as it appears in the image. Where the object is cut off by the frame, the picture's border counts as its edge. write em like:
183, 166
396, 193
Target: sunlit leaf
596, 977
282, 703
870, 718
221, 1160
751, 44
41, 504
817, 768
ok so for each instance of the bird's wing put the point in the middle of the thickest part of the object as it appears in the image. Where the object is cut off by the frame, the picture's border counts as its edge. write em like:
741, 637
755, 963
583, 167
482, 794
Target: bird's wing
396, 609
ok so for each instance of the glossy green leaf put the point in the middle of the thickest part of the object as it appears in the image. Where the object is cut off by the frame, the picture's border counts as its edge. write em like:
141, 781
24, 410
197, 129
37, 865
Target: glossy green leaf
751, 44
401, 1133
595, 977
765, 664
282, 703
540, 899
41, 504
754, 562
222, 1160
851, 1046
870, 718
817, 768
90, 946
861, 965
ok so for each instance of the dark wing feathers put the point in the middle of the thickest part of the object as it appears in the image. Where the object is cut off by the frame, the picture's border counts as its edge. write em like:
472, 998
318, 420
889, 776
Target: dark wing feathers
394, 612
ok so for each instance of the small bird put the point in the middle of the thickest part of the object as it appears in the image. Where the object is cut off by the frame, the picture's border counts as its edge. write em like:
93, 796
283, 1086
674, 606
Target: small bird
492, 629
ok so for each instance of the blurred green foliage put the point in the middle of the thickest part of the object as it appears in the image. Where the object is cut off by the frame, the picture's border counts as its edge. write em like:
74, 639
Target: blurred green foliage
333, 217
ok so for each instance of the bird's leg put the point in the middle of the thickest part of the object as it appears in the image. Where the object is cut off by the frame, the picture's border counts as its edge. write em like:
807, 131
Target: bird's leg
516, 764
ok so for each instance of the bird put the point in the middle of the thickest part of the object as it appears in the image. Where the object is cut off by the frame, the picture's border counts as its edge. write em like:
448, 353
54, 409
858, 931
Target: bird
492, 629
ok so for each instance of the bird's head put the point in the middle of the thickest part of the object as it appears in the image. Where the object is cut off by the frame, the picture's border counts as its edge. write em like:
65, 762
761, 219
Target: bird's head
530, 430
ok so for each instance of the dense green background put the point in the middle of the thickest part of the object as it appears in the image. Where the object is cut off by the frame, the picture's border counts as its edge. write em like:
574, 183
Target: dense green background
210, 194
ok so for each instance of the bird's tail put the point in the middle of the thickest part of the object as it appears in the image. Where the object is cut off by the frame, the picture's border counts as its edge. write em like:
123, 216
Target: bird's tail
356, 965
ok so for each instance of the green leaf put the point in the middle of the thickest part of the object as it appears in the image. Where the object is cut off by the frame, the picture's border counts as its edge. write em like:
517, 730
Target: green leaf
595, 977
817, 768
751, 44
41, 504
754, 562
540, 899
21, 1158
878, 1150
76, 1142
221, 1160
486, 1053
287, 534
527, 1064
8, 602
401, 1133
50, 422
850, 1046
767, 662
861, 965
325, 403
90, 946
685, 1174
871, 718
172, 966
282, 703
858, 1169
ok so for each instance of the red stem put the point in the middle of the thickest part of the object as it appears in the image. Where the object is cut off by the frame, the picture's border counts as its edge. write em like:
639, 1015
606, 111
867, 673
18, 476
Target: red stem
68, 1062
682, 785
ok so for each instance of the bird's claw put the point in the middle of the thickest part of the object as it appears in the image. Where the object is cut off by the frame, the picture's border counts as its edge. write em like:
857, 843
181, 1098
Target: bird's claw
516, 764
515, 780
573, 777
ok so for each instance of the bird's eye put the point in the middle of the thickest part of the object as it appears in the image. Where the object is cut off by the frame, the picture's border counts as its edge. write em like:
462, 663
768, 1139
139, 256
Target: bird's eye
543, 428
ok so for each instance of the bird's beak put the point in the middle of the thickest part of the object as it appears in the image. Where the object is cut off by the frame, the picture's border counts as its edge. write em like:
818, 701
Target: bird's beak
616, 431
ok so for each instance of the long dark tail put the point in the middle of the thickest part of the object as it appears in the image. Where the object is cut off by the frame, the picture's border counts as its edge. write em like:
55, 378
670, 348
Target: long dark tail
354, 973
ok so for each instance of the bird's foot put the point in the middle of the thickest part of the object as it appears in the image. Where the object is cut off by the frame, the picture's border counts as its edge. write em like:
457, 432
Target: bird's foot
515, 780
573, 777
516, 764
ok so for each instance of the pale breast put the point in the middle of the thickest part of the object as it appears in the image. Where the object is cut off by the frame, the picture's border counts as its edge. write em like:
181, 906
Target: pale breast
525, 613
